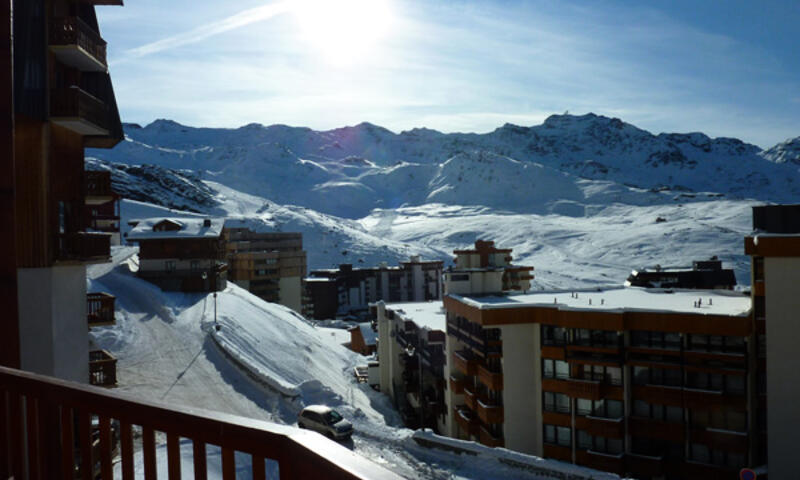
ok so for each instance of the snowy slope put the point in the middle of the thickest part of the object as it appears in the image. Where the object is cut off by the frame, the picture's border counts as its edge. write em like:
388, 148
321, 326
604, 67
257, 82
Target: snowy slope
784, 152
349, 171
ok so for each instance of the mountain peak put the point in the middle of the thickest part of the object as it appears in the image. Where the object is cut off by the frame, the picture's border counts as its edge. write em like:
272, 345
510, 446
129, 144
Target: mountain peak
788, 151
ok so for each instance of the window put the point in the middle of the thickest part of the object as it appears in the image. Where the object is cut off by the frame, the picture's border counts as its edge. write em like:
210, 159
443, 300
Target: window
595, 338
557, 435
552, 335
722, 419
461, 277
733, 384
666, 413
599, 373
717, 343
663, 340
562, 369
604, 408
595, 443
583, 406
169, 265
656, 376
548, 368
194, 265
556, 402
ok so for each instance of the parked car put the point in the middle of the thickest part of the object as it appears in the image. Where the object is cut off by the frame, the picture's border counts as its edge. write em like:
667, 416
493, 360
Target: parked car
325, 420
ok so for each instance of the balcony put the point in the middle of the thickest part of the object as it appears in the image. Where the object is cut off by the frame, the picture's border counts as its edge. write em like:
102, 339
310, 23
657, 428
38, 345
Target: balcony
102, 369
76, 44
649, 428
600, 461
487, 438
467, 421
84, 247
492, 380
470, 399
98, 188
100, 309
589, 389
603, 427
57, 428
76, 110
465, 363
644, 465
456, 385
490, 413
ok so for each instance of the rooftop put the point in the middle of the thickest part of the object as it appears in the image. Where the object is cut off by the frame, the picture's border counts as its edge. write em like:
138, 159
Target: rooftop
619, 299
185, 228
430, 315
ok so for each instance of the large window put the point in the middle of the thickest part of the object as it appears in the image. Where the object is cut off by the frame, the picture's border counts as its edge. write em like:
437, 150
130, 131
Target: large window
704, 454
552, 335
733, 384
599, 373
655, 411
604, 408
556, 402
724, 419
558, 435
645, 339
595, 338
717, 343
599, 444
656, 376
555, 368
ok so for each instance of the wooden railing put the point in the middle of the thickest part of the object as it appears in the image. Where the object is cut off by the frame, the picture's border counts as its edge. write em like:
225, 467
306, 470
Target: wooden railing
74, 31
100, 309
46, 432
72, 102
102, 368
83, 246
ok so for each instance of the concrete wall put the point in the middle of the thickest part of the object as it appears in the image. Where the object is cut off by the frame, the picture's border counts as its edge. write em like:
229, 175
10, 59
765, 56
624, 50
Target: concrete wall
384, 348
160, 264
54, 338
291, 293
781, 281
479, 282
522, 395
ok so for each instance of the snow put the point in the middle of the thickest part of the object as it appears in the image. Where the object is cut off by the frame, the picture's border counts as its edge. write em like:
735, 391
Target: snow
189, 228
265, 362
428, 315
617, 299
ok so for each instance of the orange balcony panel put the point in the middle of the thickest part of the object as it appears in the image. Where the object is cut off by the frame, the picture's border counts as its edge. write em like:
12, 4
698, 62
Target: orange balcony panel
557, 452
589, 389
558, 419
645, 427
465, 365
467, 421
489, 413
641, 465
607, 463
493, 380
456, 385
470, 400
488, 439
601, 427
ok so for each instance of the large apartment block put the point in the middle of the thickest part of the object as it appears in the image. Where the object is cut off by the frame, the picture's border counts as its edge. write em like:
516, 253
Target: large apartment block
486, 269
774, 248
56, 98
347, 289
271, 265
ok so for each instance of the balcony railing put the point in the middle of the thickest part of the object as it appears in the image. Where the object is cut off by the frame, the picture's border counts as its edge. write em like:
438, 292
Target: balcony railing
589, 389
487, 438
76, 44
490, 413
100, 309
79, 111
467, 420
465, 363
84, 247
470, 399
456, 385
98, 185
46, 432
102, 368
493, 380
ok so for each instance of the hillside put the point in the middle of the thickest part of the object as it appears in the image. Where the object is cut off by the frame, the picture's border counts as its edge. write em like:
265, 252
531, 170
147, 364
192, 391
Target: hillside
347, 172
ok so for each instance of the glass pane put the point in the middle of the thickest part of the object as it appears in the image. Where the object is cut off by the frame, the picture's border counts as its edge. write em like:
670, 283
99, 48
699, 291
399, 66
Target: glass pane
614, 375
640, 375
700, 453
735, 383
672, 341
549, 401
550, 434
614, 408
562, 402
564, 436
584, 406
584, 439
562, 369
674, 414
657, 411
639, 339
737, 421
548, 368
615, 445
641, 408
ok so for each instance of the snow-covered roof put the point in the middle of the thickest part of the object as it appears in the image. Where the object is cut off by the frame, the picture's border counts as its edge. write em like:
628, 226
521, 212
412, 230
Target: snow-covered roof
370, 335
181, 228
611, 299
430, 315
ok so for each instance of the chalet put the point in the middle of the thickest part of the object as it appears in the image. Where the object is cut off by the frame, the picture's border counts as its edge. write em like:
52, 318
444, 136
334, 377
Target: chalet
363, 339
181, 254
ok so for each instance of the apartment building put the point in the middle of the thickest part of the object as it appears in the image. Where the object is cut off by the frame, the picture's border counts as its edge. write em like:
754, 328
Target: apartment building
102, 205
774, 248
703, 274
57, 99
181, 254
411, 346
355, 288
270, 265
486, 269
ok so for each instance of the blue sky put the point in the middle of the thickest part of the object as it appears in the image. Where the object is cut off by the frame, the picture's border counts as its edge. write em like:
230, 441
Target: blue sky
726, 68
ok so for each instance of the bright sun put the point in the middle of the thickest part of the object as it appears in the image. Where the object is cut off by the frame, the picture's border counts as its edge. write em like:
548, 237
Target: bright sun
343, 31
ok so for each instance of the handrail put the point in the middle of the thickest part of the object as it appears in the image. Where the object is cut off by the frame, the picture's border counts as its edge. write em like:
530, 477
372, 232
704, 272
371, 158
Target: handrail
49, 405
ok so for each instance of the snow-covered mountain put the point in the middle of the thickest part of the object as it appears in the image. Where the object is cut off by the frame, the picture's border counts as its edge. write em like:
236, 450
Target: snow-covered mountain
349, 171
785, 152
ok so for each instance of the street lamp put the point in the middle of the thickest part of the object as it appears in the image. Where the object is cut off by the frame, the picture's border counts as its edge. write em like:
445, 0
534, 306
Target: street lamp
204, 276
410, 350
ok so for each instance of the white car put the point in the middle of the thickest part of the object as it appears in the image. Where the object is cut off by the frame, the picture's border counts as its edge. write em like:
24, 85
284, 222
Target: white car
325, 420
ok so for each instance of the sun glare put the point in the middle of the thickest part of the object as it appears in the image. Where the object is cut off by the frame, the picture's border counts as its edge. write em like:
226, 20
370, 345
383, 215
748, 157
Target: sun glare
343, 31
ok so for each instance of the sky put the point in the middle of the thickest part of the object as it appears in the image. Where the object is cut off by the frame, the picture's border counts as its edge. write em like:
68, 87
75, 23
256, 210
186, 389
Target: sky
725, 67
